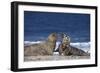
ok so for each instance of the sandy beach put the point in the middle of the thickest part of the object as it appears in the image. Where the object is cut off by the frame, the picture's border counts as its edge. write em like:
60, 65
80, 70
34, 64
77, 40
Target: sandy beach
54, 57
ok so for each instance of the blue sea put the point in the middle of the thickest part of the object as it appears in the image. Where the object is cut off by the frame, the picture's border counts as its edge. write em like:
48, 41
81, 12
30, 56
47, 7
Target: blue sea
38, 25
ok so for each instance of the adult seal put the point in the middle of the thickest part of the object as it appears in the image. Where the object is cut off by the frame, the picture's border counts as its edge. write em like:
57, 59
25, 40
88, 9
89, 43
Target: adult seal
41, 49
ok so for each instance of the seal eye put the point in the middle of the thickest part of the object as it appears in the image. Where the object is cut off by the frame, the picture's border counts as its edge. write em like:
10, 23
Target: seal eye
54, 35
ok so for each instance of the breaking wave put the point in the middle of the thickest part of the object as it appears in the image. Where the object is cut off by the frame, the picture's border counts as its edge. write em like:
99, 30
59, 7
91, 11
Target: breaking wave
81, 45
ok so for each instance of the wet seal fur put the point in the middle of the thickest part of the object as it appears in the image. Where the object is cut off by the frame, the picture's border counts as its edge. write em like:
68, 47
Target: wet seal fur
66, 49
41, 49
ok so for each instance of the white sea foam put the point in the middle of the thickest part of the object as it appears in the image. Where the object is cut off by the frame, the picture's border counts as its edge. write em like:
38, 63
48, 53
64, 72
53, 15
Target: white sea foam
81, 45
26, 43
57, 45
32, 42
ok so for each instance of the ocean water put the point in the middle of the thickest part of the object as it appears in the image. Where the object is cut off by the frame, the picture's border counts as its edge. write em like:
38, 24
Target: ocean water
38, 25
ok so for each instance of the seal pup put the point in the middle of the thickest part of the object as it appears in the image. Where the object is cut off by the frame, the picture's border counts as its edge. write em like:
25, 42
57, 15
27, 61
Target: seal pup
41, 49
66, 49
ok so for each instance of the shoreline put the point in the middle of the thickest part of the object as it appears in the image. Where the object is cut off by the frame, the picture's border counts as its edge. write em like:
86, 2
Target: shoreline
53, 58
